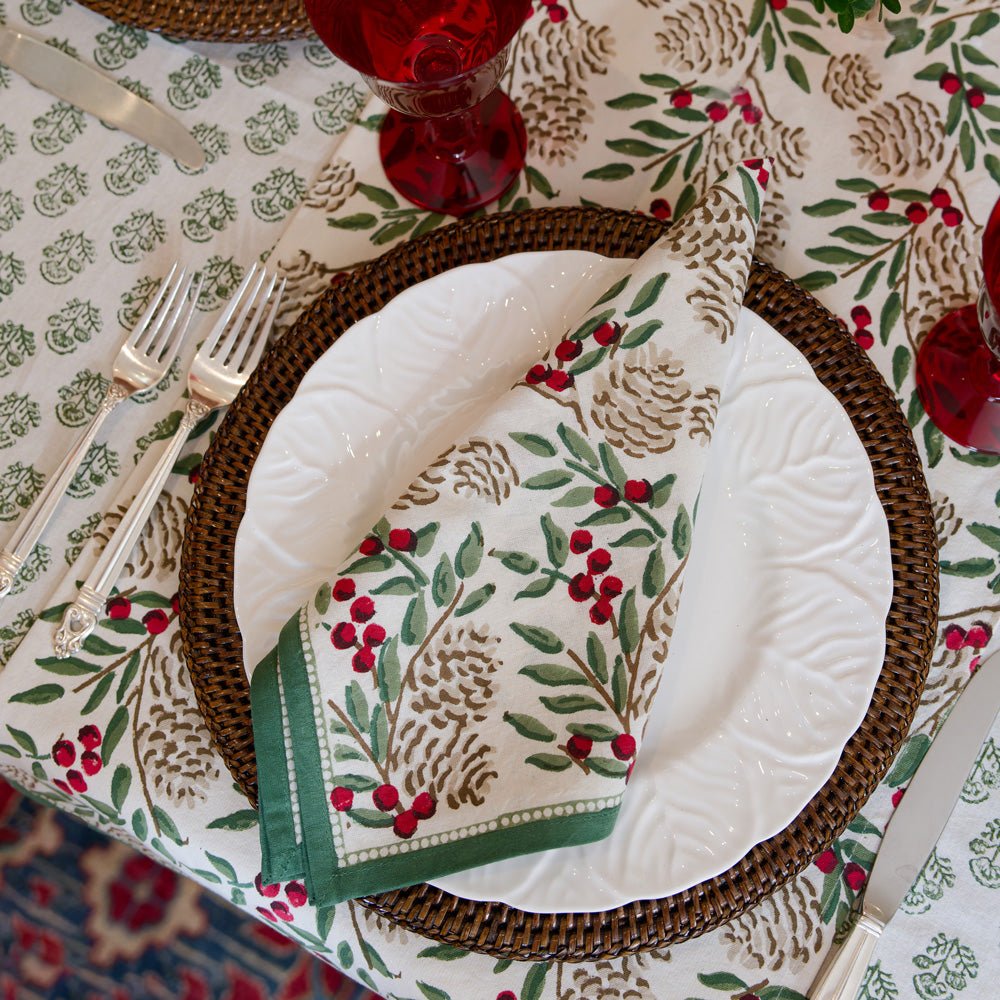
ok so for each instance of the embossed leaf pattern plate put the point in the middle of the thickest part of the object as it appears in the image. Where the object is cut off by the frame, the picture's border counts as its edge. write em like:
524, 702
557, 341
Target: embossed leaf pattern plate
781, 633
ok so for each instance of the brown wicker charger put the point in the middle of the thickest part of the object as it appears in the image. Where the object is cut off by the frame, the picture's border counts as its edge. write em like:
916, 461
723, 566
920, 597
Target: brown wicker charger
213, 647
211, 20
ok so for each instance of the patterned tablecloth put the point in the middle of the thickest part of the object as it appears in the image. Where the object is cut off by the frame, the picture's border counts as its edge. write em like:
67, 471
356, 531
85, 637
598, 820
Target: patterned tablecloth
887, 163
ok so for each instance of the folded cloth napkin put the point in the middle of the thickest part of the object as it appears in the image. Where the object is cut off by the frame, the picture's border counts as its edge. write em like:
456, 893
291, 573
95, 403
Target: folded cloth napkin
474, 682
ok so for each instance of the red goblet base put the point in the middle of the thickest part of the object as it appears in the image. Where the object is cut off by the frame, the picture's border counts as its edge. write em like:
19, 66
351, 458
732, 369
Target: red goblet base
457, 164
958, 378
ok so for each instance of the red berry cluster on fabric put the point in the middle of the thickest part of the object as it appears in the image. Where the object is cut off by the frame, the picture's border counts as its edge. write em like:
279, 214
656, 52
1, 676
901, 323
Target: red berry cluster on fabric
975, 637
853, 874
951, 83
584, 587
862, 318
295, 893
345, 634
79, 757
557, 378
555, 11
385, 798
763, 175
156, 621
917, 212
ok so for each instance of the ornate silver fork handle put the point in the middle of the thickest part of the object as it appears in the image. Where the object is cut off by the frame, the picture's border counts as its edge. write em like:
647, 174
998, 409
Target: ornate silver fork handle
31, 527
81, 616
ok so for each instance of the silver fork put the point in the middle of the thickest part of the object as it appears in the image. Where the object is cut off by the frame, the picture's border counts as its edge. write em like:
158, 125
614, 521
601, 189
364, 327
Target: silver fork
142, 361
219, 370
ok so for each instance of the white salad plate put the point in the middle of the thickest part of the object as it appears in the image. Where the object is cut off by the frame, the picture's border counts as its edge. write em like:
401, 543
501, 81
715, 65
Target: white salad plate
780, 635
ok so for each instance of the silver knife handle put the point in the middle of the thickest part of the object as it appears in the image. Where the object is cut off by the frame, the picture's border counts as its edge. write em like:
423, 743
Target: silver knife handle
33, 524
845, 966
80, 617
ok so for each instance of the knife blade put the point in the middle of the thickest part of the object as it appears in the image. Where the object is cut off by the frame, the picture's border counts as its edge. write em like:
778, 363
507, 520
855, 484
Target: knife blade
87, 88
915, 828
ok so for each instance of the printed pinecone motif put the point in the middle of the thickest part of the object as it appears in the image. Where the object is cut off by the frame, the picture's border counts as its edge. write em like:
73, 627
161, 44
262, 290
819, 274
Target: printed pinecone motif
713, 237
335, 184
480, 468
159, 545
700, 37
851, 81
440, 748
772, 230
555, 116
173, 745
569, 52
307, 278
902, 138
641, 400
621, 979
781, 933
943, 273
787, 144
658, 630
946, 519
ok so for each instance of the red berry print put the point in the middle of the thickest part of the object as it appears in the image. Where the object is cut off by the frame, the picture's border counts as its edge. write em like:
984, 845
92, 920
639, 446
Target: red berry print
855, 876
62, 786
405, 824
607, 333
897, 797
579, 747
269, 891
978, 635
878, 201
954, 637
537, 373
681, 98
371, 546
89, 737
639, 491
567, 350
778, 4
76, 781
343, 635
599, 561
90, 762
951, 216
362, 609
557, 13
156, 621
660, 209
402, 539
916, 212
580, 541
950, 83
606, 496
864, 339
560, 380
296, 893
752, 114
623, 746
373, 635
341, 798
385, 797
63, 753
975, 97
424, 806
862, 317
281, 910
611, 586
344, 589
118, 608
762, 177
717, 111
601, 611
506, 995
175, 604
267, 914
742, 98
940, 198
363, 661
826, 862
581, 587
194, 476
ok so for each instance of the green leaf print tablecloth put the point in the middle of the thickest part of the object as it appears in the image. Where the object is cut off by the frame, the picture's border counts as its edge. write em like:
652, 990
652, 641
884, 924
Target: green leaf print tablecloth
886, 144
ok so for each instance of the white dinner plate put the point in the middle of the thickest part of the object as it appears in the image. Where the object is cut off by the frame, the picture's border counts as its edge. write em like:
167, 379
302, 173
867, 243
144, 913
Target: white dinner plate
780, 635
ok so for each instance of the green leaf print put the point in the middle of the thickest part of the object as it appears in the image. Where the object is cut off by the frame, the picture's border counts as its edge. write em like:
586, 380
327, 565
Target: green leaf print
64, 259
19, 485
475, 600
134, 166
62, 188
43, 694
193, 83
470, 553
553, 674
549, 761
118, 44
570, 704
541, 638
530, 727
242, 819
57, 128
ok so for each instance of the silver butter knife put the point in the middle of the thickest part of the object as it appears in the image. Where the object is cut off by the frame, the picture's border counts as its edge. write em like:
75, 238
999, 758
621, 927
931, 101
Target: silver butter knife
914, 830
87, 88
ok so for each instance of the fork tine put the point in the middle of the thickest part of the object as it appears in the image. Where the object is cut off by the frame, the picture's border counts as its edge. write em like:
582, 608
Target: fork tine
180, 327
210, 346
143, 341
253, 353
236, 330
143, 323
163, 332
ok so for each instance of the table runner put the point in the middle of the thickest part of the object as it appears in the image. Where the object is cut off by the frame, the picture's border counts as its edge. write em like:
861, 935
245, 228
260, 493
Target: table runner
886, 170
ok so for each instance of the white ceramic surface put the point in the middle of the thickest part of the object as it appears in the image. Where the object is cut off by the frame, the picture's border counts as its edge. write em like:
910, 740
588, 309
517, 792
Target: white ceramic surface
781, 631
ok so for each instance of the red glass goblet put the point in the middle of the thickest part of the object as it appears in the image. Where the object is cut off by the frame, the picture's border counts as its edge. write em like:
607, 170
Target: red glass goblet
451, 141
958, 364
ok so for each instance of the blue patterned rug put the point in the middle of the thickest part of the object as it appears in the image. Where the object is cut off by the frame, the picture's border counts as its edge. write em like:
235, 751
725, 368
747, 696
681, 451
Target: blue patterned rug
87, 918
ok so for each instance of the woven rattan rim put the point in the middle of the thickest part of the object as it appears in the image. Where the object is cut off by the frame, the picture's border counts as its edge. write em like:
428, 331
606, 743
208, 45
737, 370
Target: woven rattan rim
211, 20
213, 647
